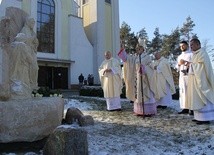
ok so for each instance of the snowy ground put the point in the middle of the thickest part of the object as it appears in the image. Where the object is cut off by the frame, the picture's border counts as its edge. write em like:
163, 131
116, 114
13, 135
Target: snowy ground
122, 133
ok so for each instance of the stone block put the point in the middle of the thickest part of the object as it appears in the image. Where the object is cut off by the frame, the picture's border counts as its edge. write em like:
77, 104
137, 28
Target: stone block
74, 115
86, 120
30, 119
67, 140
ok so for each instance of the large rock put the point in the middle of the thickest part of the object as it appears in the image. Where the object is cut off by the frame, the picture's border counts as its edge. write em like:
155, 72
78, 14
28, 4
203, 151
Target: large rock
29, 120
67, 140
74, 115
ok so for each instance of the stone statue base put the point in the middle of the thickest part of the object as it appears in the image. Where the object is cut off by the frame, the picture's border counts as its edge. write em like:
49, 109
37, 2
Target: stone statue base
29, 120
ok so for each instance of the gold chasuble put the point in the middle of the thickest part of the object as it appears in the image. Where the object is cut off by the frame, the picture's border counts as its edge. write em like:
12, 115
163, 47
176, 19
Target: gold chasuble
138, 79
132, 77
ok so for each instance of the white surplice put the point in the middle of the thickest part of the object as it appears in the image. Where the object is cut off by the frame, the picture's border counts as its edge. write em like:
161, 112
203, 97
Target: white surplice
111, 82
183, 79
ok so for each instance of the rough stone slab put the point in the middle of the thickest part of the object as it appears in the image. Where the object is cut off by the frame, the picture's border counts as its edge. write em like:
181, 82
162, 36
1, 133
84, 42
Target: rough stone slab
29, 120
67, 140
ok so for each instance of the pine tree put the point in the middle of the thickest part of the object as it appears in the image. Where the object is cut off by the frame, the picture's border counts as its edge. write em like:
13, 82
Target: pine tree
156, 42
128, 38
186, 30
171, 44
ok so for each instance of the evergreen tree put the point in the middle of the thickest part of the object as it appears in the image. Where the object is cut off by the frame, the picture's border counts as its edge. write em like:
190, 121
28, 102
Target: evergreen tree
156, 42
186, 30
171, 44
128, 38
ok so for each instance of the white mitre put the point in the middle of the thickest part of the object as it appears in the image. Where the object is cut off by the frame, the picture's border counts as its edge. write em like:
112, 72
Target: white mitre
141, 42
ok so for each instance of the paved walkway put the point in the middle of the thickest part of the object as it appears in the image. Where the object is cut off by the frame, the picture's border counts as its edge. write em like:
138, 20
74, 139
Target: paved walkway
69, 93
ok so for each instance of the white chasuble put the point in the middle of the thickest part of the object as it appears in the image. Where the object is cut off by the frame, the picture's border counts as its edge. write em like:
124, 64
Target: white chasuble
111, 82
200, 87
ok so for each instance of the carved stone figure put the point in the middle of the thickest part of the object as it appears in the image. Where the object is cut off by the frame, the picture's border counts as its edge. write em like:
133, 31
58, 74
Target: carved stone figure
19, 47
20, 61
23, 62
32, 42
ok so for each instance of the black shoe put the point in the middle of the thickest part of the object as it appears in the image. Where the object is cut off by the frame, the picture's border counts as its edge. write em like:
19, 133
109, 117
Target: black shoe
142, 115
191, 112
184, 111
159, 106
149, 115
162, 107
202, 122
115, 110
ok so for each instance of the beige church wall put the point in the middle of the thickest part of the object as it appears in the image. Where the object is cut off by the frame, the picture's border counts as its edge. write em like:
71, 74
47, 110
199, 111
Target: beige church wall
93, 16
87, 21
102, 29
81, 50
115, 28
108, 28
58, 32
101, 36
62, 10
66, 10
26, 6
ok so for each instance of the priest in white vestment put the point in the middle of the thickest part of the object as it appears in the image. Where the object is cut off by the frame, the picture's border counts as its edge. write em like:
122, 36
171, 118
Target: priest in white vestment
164, 87
111, 81
137, 78
186, 55
200, 89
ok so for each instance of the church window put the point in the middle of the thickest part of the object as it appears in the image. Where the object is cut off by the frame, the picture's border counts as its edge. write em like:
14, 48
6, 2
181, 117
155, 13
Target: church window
46, 25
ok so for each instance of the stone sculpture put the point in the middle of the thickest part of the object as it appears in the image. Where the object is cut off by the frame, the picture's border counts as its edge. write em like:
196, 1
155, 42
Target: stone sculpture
19, 45
23, 62
22, 117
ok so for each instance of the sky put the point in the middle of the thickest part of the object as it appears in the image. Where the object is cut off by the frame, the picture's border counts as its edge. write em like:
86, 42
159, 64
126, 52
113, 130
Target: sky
168, 15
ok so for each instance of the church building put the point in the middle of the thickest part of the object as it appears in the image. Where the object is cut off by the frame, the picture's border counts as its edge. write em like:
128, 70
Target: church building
73, 36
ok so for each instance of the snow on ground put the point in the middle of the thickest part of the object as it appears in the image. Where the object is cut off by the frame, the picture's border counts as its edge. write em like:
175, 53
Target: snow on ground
122, 133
